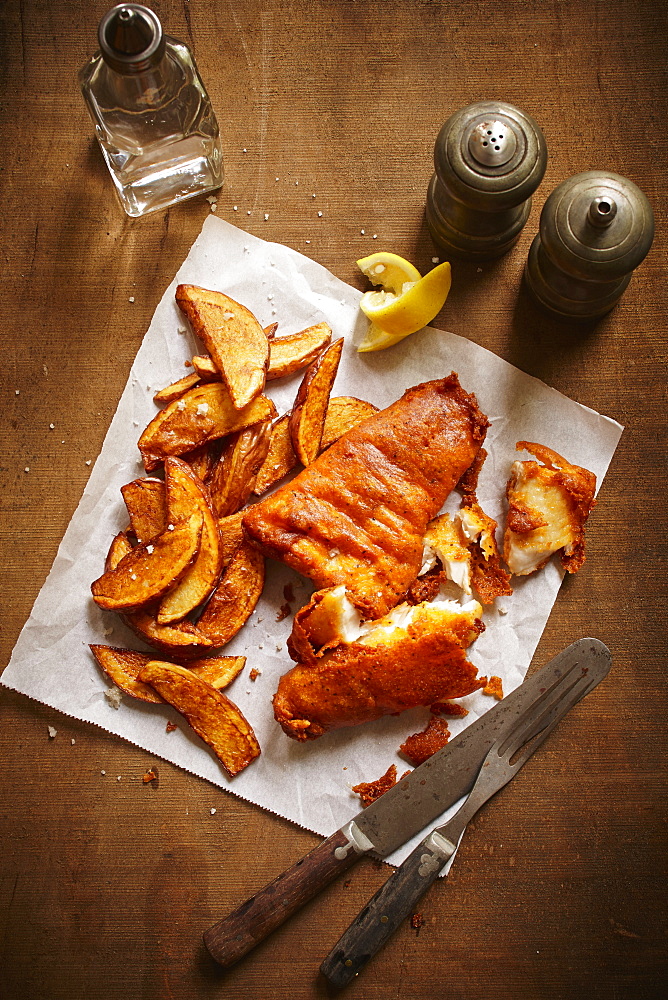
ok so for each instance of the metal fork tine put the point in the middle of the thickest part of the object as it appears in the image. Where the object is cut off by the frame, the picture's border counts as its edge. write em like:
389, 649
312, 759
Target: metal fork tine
538, 727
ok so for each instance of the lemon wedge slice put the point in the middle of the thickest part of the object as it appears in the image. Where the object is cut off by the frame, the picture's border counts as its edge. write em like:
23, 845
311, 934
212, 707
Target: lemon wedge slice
404, 303
388, 270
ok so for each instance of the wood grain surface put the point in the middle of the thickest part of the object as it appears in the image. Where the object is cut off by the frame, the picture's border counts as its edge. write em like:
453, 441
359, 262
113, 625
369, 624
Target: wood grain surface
106, 886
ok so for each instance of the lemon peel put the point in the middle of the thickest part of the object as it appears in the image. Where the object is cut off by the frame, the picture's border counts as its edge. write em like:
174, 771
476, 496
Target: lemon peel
396, 313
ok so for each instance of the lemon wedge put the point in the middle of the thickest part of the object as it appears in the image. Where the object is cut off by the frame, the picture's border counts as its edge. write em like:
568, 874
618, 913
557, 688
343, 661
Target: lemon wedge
405, 302
388, 270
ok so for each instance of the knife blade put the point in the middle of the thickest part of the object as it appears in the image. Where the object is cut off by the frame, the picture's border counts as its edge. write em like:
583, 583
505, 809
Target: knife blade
397, 898
395, 817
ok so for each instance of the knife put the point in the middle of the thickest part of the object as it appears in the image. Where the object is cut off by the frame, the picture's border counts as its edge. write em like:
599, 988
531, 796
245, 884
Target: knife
400, 813
397, 898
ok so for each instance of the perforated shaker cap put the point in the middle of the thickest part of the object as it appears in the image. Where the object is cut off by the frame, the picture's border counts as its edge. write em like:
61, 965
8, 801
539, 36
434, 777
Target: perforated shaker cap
597, 225
131, 39
490, 155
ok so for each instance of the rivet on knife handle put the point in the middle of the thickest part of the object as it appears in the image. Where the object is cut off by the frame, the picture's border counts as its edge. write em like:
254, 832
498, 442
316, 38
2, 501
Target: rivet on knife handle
234, 936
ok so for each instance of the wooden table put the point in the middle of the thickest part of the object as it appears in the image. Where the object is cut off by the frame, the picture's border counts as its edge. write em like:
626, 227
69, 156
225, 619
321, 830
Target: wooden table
559, 888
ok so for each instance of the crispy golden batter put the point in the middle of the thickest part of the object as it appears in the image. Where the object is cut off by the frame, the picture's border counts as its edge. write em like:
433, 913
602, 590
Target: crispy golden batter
548, 506
413, 656
357, 514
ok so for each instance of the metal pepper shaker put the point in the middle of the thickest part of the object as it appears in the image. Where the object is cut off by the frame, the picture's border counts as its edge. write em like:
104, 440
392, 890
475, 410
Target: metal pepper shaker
595, 229
489, 158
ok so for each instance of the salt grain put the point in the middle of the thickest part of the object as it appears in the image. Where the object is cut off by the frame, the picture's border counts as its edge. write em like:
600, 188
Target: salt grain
52, 733
266, 216
88, 461
51, 426
27, 468
213, 812
131, 299
434, 260
320, 215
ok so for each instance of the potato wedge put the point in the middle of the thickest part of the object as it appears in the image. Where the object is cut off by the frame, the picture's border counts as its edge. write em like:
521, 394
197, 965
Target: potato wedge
212, 715
205, 368
233, 337
147, 507
151, 569
231, 535
344, 413
120, 547
289, 354
176, 389
181, 640
186, 495
218, 671
123, 666
201, 460
280, 459
235, 597
234, 475
203, 414
307, 419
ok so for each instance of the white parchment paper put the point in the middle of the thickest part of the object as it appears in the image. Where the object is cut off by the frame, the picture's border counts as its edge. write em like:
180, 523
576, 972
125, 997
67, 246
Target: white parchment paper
307, 784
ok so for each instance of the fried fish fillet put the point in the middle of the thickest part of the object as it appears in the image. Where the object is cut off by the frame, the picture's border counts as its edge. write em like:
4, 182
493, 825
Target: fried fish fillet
548, 506
415, 655
356, 516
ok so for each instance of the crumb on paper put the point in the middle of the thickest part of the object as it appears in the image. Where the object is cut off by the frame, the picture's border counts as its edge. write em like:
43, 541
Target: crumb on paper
284, 612
421, 746
170, 727
254, 674
502, 609
150, 777
494, 687
369, 791
52, 733
114, 696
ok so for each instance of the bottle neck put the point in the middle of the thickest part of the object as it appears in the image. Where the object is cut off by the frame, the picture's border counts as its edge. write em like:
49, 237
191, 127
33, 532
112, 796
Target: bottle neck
147, 90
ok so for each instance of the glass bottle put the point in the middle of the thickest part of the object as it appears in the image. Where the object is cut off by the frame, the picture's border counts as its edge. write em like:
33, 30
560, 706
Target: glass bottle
152, 115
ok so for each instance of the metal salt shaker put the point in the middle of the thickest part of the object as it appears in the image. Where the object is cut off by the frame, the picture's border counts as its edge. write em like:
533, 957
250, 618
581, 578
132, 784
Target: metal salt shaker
489, 159
595, 229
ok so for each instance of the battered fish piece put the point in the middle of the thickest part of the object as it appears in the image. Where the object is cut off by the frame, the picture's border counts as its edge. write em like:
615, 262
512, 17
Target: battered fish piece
548, 506
414, 656
357, 514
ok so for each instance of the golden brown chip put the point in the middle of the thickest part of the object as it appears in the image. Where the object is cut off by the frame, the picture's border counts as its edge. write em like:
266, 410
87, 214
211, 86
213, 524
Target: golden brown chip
146, 506
233, 337
235, 597
186, 495
281, 458
180, 640
289, 354
494, 687
234, 475
201, 460
218, 671
343, 413
123, 667
205, 368
176, 389
151, 569
307, 420
202, 414
212, 715
231, 535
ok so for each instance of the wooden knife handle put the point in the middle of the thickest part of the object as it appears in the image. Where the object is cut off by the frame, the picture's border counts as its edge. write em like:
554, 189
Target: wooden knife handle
376, 923
234, 936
